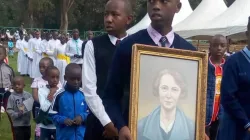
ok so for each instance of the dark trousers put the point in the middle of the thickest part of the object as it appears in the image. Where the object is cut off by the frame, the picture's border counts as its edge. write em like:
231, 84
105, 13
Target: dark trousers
47, 134
94, 128
22, 132
35, 107
4, 97
212, 130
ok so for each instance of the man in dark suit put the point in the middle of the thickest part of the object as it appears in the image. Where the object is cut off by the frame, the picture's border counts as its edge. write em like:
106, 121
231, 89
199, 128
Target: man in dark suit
159, 33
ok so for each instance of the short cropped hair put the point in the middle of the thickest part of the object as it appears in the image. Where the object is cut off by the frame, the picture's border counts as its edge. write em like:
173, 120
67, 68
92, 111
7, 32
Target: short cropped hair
127, 6
179, 80
70, 67
51, 63
49, 69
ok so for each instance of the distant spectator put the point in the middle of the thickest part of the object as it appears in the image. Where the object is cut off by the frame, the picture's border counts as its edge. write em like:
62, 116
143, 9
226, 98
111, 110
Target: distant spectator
90, 35
16, 35
11, 48
9, 36
22, 29
2, 36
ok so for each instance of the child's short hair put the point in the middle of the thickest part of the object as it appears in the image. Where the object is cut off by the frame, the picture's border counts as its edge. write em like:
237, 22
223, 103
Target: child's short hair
51, 63
49, 69
17, 78
70, 67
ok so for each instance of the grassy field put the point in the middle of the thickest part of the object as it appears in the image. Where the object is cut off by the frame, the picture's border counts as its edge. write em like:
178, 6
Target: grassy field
5, 130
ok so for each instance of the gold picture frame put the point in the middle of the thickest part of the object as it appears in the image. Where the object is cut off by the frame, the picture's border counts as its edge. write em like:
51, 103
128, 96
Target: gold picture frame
200, 58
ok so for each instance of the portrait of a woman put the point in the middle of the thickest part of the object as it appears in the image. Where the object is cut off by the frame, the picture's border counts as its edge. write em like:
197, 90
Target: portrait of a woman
167, 121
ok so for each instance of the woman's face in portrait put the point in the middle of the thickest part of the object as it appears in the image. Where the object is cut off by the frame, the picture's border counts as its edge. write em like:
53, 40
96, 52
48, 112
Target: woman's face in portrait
169, 92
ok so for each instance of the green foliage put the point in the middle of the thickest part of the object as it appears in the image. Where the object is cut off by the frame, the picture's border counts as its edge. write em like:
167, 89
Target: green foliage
84, 14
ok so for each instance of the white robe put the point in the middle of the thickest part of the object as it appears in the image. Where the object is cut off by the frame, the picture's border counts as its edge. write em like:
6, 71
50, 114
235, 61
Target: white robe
60, 63
25, 61
35, 45
51, 48
20, 55
43, 46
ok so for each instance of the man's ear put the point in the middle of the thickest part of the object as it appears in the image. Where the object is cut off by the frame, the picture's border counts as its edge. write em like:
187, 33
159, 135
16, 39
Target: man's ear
178, 7
130, 19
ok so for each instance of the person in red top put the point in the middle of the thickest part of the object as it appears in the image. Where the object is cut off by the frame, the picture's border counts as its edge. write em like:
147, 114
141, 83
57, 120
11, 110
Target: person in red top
218, 47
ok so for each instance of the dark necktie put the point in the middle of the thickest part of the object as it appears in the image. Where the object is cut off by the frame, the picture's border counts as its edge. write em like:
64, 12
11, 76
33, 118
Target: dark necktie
163, 41
117, 42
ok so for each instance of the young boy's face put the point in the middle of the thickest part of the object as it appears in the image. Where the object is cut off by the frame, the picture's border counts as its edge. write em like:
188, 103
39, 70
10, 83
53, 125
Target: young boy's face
2, 54
161, 12
43, 65
18, 85
74, 78
116, 17
53, 77
218, 46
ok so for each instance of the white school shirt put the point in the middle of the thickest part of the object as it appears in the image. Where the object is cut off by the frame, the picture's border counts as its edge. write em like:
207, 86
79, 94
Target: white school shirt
89, 81
74, 47
45, 104
43, 92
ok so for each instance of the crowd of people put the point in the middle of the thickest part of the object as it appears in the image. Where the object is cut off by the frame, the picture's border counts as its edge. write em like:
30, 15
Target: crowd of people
80, 89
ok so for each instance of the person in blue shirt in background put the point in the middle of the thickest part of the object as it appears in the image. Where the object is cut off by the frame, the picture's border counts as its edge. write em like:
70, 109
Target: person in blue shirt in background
11, 48
235, 97
69, 109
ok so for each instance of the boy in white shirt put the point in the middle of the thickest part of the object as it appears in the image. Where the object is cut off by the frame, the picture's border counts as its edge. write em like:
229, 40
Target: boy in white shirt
45, 96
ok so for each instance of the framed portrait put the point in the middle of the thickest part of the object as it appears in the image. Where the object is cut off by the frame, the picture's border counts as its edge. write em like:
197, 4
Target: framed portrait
168, 94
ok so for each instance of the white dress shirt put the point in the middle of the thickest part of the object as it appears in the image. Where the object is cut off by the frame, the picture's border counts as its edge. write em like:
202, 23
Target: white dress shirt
45, 104
89, 81
156, 36
74, 47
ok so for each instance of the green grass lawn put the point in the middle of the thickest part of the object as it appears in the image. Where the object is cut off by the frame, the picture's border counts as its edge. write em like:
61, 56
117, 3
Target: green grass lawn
5, 130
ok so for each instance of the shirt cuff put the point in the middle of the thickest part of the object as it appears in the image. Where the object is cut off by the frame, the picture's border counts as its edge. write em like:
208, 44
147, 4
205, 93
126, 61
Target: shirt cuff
247, 125
105, 120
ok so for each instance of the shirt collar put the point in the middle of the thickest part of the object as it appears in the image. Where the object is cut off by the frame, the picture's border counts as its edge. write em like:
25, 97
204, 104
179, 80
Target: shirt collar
247, 51
222, 61
156, 36
113, 39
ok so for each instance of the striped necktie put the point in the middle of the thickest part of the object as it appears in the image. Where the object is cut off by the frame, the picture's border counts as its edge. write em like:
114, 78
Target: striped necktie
117, 42
163, 41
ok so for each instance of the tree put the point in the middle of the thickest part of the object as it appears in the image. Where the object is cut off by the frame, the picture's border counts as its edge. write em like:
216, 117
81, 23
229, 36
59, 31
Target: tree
65, 7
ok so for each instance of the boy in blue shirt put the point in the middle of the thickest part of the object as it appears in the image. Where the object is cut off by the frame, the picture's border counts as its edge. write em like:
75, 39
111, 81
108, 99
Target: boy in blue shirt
69, 109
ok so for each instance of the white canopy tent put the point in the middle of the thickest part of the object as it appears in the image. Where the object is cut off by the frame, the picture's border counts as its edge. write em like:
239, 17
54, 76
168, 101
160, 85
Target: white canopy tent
206, 11
185, 11
231, 23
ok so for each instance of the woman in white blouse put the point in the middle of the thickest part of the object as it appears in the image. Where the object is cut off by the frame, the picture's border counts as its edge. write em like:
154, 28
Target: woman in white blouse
61, 59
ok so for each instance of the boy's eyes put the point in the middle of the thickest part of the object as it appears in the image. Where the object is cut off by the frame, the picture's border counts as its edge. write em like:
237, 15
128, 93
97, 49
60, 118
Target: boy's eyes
163, 1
